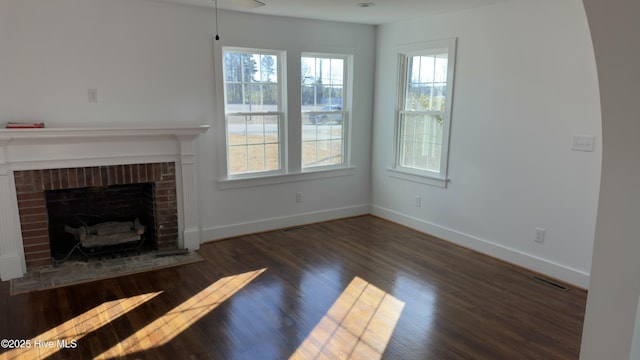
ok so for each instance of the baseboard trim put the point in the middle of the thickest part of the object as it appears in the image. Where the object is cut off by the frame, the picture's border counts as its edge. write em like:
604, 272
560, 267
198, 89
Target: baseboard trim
534, 263
252, 227
516, 257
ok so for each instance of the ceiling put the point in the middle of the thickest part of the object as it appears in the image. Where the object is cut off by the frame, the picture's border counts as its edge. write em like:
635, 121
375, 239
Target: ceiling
383, 11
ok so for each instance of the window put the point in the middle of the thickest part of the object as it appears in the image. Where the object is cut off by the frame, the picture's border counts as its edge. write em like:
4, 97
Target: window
254, 114
324, 109
424, 103
264, 144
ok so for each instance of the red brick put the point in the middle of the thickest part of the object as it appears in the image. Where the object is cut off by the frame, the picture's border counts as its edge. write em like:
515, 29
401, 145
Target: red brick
24, 188
169, 205
167, 238
32, 211
37, 180
72, 177
118, 174
164, 215
168, 226
30, 196
167, 246
168, 177
111, 172
104, 176
33, 226
28, 233
119, 170
160, 185
79, 172
142, 173
135, 174
164, 192
18, 176
96, 177
55, 179
33, 218
166, 198
33, 264
36, 240
157, 169
28, 178
64, 179
150, 172
128, 175
37, 248
46, 179
32, 203
88, 176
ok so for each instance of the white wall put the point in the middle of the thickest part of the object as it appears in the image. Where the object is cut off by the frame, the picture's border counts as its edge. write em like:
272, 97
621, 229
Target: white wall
153, 64
525, 83
611, 328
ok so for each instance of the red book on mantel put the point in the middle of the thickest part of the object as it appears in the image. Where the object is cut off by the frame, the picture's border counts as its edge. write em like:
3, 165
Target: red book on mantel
24, 125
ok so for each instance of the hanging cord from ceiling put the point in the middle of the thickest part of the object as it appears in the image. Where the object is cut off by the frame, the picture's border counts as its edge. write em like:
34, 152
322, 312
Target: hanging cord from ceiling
216, 7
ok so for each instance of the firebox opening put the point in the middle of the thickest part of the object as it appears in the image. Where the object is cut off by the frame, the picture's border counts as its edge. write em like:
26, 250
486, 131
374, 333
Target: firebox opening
92, 207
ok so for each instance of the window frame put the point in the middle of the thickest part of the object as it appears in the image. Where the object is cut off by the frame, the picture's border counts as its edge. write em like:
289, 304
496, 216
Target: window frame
347, 69
280, 113
291, 132
398, 170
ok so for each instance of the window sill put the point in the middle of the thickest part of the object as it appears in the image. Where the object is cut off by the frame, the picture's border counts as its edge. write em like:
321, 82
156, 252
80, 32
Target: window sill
271, 179
417, 178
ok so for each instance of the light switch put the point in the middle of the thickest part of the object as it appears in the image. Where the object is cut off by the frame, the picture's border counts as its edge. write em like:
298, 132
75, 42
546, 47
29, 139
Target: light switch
583, 143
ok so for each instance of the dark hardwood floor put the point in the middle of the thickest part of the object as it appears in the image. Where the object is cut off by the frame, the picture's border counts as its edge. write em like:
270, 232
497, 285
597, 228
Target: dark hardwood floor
354, 288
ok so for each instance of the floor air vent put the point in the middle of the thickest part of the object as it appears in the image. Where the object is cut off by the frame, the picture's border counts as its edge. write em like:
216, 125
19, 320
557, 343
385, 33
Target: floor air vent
550, 283
292, 228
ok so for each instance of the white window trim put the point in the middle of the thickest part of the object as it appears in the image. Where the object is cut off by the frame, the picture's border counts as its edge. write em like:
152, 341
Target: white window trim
410, 174
282, 178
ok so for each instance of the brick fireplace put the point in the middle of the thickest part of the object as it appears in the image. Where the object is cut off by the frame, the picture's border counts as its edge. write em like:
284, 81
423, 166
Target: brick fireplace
31, 186
34, 161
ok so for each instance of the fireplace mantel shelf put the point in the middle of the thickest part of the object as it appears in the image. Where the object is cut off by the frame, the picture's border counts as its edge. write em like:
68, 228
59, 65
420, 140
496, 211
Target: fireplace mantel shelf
70, 133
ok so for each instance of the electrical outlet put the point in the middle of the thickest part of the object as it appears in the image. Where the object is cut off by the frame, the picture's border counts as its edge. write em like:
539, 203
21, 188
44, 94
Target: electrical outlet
418, 200
92, 95
298, 197
539, 237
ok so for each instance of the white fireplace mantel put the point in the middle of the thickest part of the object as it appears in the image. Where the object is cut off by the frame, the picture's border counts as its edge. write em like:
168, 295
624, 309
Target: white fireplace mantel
51, 148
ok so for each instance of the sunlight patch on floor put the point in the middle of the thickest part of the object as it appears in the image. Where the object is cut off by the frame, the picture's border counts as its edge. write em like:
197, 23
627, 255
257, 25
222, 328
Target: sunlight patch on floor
173, 323
358, 325
71, 331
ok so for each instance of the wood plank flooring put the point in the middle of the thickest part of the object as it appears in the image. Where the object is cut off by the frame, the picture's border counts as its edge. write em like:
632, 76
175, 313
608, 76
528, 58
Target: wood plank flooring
360, 288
